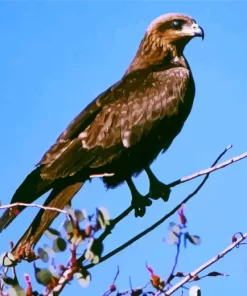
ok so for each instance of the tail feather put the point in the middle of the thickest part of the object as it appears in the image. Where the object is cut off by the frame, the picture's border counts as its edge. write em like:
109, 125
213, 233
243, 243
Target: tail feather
30, 189
6, 219
58, 198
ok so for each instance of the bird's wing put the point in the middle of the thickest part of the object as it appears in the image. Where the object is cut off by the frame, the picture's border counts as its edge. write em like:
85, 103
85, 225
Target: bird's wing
117, 120
58, 198
77, 125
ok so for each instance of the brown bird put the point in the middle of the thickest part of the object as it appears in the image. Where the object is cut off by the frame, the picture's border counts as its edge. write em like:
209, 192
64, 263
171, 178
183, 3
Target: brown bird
123, 130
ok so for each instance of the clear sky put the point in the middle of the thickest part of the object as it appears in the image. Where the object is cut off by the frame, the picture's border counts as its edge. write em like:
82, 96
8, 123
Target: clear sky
55, 57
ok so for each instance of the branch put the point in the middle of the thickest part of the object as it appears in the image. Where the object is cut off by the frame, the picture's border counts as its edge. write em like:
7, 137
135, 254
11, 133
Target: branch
175, 261
32, 205
159, 222
211, 169
114, 222
206, 265
177, 182
207, 172
65, 278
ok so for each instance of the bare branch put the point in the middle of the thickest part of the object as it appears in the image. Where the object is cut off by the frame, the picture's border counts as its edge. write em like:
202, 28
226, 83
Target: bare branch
32, 205
206, 265
211, 169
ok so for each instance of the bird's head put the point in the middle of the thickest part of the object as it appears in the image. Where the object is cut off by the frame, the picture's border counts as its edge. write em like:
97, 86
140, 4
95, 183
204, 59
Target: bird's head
173, 28
165, 37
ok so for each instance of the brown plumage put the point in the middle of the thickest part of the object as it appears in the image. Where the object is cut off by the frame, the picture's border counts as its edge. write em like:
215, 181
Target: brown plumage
125, 128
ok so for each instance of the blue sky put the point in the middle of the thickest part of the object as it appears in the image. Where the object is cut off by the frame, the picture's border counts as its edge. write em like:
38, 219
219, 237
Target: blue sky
56, 57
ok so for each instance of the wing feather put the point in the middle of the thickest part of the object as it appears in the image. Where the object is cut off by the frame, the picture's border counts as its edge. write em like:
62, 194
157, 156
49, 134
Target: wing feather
117, 120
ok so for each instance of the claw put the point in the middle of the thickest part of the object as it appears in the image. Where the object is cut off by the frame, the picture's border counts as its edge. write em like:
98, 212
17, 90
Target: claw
139, 202
157, 189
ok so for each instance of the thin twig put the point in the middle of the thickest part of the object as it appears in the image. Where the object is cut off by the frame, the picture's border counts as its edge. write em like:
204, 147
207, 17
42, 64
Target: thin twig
176, 260
32, 205
209, 170
206, 265
159, 222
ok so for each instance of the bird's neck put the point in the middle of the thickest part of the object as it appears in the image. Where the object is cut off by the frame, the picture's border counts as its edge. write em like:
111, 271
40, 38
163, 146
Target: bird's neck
157, 54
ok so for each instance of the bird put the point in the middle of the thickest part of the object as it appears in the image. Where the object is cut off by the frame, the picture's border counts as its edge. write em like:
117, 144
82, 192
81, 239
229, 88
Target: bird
122, 131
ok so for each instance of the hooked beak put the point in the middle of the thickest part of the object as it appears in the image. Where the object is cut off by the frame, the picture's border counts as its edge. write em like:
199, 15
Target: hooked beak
198, 31
194, 31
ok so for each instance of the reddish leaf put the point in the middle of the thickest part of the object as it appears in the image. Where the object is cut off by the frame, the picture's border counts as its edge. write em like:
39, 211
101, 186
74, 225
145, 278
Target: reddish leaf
155, 280
181, 215
194, 239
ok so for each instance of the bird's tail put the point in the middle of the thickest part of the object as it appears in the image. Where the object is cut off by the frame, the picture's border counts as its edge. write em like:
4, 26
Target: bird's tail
30, 189
58, 198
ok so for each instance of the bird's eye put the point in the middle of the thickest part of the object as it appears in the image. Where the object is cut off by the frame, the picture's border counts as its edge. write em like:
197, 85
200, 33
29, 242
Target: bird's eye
176, 24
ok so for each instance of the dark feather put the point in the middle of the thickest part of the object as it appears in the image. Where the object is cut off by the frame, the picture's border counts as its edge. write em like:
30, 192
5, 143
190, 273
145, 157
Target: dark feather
30, 189
148, 110
58, 198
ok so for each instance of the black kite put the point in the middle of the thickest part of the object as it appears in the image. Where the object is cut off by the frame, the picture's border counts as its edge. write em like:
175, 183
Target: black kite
123, 130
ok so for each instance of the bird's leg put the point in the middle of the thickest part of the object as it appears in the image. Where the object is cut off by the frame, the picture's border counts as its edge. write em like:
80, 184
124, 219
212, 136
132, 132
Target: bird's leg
157, 189
139, 202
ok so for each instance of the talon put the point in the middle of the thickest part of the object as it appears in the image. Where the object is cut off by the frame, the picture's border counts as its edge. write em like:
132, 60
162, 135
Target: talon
157, 189
139, 202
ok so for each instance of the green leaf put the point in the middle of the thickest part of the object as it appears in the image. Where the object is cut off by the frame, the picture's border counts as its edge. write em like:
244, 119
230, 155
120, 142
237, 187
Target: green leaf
103, 217
43, 276
83, 278
59, 245
8, 280
69, 210
194, 239
68, 226
43, 255
74, 240
52, 233
7, 259
174, 233
94, 251
80, 215
171, 224
16, 291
